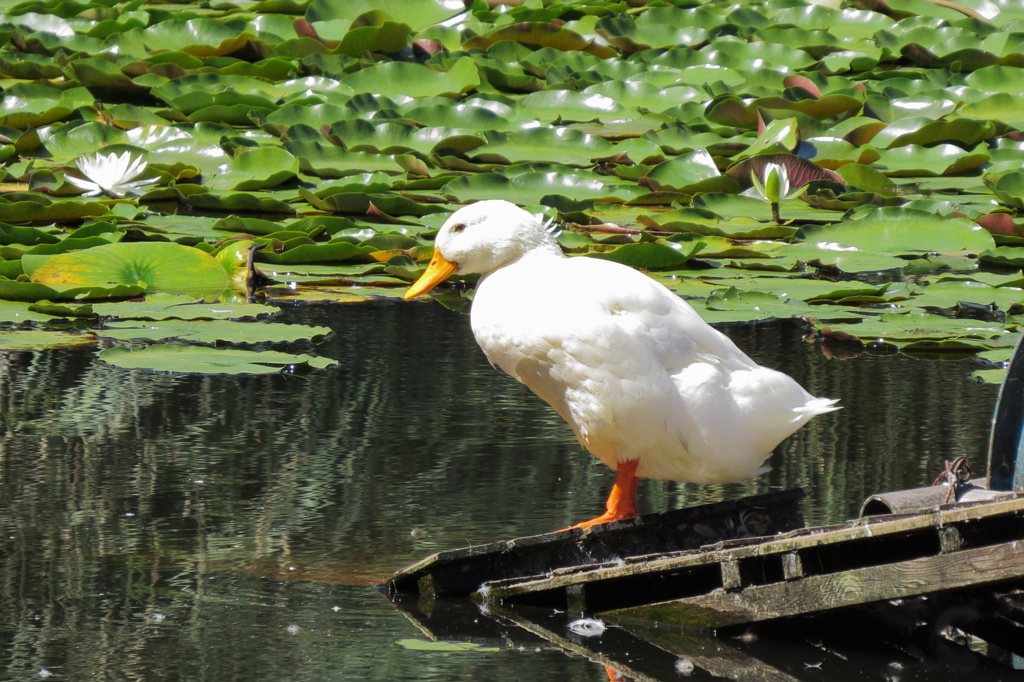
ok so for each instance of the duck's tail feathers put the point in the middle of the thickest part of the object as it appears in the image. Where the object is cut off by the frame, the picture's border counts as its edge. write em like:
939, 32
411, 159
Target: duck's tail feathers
817, 406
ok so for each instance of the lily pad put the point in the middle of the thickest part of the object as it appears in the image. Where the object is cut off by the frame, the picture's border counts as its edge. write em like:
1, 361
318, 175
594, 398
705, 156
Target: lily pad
154, 266
213, 332
902, 231
175, 359
162, 306
37, 340
435, 645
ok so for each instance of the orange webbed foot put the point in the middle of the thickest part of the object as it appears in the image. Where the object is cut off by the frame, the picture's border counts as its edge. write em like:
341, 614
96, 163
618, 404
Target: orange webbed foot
622, 499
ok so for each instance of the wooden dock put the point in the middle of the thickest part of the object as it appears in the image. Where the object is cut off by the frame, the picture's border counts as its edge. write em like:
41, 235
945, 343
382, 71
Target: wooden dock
461, 572
744, 579
809, 570
966, 558
954, 551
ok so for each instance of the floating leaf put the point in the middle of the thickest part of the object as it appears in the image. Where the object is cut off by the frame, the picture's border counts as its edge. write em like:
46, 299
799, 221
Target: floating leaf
38, 340
651, 255
435, 645
154, 266
531, 188
902, 231
413, 80
162, 306
174, 359
210, 332
259, 168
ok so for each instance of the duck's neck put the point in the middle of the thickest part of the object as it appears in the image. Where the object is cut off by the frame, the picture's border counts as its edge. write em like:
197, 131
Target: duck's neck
529, 260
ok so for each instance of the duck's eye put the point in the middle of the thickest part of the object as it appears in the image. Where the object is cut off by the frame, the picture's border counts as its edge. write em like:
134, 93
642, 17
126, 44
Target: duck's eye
458, 227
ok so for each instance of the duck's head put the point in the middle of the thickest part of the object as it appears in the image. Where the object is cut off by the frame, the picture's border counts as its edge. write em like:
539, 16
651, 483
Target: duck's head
481, 238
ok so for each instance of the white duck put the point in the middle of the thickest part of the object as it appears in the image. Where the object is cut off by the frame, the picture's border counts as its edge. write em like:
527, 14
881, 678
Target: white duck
649, 388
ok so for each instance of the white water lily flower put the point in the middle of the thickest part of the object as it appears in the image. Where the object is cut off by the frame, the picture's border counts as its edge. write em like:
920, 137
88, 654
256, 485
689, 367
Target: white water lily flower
111, 174
776, 184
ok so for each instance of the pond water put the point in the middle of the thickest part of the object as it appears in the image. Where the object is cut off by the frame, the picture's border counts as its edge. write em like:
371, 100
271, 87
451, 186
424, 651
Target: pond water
158, 527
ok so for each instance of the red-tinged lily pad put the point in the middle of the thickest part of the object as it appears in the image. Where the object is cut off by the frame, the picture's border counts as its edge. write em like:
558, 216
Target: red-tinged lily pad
800, 171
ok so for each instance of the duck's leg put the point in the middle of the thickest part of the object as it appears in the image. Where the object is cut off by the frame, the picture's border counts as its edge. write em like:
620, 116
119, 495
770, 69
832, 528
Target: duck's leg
621, 500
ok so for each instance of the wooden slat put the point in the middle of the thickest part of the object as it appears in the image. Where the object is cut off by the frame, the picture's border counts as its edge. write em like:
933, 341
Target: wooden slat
824, 592
460, 572
874, 529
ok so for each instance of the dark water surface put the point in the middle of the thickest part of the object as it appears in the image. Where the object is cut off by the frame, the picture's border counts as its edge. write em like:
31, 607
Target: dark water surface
157, 527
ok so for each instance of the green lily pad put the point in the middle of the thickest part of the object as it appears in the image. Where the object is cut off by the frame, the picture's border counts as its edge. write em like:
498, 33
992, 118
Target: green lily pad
912, 160
758, 303
844, 257
554, 145
902, 231
417, 13
175, 359
531, 188
162, 306
12, 290
651, 255
904, 328
259, 168
33, 339
18, 313
693, 173
435, 645
154, 266
413, 80
210, 332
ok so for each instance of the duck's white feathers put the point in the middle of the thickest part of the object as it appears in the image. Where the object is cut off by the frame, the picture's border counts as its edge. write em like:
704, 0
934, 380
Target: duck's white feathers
633, 368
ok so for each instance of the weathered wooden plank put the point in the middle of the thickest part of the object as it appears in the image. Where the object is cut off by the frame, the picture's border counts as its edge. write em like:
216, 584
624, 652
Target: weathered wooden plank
792, 567
937, 524
460, 572
823, 592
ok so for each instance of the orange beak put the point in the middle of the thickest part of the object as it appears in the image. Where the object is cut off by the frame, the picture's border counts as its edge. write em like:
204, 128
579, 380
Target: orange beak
438, 271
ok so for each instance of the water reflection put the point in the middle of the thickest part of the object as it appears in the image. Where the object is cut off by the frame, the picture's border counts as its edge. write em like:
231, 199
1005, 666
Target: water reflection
167, 527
